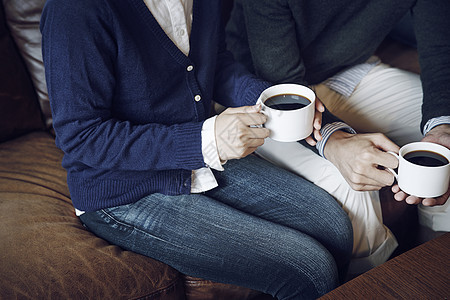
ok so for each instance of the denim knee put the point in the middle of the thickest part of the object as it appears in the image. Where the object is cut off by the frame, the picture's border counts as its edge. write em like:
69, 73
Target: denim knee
338, 240
303, 274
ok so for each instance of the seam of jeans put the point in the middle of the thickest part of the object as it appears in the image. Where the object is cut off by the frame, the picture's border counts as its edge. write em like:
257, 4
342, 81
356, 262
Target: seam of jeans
137, 229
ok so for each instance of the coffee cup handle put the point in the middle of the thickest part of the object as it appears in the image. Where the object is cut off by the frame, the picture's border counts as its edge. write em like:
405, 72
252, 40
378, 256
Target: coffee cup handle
391, 170
259, 101
261, 111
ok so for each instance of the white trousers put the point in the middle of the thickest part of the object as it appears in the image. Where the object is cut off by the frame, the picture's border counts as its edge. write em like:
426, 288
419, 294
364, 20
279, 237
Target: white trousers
387, 100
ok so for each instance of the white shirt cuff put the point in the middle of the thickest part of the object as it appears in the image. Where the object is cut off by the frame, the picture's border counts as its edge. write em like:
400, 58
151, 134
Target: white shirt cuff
209, 145
203, 179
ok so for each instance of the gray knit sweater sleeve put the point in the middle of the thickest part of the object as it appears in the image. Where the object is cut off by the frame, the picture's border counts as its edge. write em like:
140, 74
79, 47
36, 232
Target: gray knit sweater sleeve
277, 39
432, 28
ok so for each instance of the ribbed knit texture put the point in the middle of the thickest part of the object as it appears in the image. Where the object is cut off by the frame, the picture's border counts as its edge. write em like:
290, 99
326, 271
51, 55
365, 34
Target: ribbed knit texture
122, 96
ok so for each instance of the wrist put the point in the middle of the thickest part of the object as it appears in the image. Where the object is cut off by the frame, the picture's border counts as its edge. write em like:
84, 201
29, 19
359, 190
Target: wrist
439, 135
335, 139
444, 128
327, 130
435, 122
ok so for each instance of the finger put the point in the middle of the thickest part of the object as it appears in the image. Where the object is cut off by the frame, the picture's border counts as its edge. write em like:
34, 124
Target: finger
385, 177
310, 141
412, 200
429, 202
317, 135
319, 105
242, 109
317, 124
370, 188
385, 159
252, 119
254, 143
395, 188
360, 181
382, 142
444, 198
313, 141
373, 176
365, 187
400, 196
436, 201
248, 151
258, 133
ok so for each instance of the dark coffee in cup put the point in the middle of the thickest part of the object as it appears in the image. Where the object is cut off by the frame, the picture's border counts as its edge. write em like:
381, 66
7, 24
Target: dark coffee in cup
426, 158
287, 102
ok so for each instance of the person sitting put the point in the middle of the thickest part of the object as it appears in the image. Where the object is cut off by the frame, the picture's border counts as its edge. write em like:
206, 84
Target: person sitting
131, 85
329, 45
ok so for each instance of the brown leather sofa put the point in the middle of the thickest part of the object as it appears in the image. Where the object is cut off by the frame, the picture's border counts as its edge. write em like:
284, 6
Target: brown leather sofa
45, 252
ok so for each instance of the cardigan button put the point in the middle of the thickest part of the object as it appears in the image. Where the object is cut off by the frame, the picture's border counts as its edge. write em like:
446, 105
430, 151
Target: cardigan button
190, 68
197, 98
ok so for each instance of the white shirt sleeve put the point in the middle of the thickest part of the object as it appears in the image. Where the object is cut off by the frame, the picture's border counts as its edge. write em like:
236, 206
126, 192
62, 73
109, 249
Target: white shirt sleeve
203, 179
209, 145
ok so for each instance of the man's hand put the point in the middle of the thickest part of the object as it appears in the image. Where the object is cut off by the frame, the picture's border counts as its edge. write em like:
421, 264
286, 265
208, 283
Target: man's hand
234, 136
399, 195
361, 159
317, 124
439, 135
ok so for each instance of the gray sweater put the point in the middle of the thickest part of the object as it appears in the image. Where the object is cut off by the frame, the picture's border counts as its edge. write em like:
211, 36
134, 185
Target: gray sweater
308, 41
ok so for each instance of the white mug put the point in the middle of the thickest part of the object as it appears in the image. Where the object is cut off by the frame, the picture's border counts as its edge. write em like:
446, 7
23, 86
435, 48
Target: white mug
420, 180
293, 124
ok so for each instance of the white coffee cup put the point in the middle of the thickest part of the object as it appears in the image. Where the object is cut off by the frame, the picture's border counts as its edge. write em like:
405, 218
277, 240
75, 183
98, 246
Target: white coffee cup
417, 179
293, 124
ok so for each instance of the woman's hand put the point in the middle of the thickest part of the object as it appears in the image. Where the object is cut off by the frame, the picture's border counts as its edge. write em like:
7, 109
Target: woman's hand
238, 131
317, 124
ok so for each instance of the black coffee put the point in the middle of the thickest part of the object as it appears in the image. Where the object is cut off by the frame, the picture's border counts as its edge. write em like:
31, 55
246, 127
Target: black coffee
426, 158
287, 102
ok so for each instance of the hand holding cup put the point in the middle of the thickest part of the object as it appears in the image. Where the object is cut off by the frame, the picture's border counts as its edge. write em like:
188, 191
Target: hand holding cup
238, 131
424, 172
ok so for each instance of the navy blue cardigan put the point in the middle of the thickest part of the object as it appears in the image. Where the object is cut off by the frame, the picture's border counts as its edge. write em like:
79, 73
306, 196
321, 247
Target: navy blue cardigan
123, 97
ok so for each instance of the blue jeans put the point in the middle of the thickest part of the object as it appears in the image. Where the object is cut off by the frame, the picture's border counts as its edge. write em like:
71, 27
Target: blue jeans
263, 228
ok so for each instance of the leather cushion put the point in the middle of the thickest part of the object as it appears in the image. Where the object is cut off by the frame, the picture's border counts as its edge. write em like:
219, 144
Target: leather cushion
47, 253
201, 289
19, 109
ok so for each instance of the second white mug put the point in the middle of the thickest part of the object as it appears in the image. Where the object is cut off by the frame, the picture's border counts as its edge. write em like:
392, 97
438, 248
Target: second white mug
423, 169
